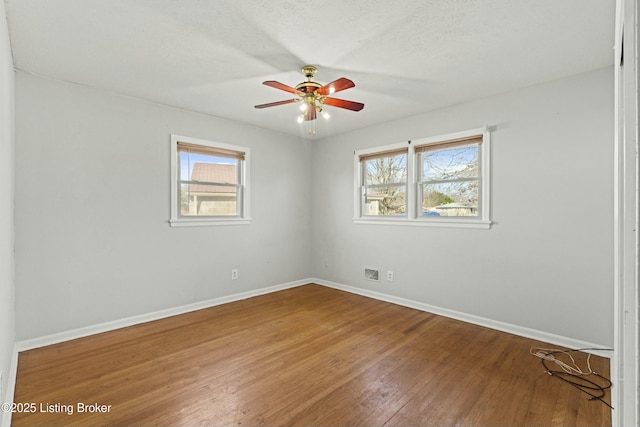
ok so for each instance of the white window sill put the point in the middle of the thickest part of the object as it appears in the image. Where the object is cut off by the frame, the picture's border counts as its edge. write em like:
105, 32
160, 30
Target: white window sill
205, 222
440, 223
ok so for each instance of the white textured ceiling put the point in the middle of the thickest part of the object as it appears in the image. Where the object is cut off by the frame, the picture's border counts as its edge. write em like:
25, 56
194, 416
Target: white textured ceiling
405, 57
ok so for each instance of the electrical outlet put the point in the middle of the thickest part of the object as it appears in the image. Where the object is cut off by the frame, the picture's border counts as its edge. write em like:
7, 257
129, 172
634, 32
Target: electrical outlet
390, 275
234, 274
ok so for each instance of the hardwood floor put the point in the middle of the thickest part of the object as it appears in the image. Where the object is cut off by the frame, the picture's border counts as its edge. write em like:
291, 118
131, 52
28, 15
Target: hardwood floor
301, 357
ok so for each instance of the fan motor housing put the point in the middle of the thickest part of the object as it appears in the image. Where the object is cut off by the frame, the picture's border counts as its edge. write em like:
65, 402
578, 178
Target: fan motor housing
308, 87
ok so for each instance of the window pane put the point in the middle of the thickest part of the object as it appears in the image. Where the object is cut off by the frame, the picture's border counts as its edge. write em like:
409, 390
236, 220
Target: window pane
201, 198
208, 200
452, 163
386, 170
390, 201
450, 199
204, 168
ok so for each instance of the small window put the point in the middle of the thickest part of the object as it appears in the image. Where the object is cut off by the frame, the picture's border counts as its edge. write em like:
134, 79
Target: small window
384, 178
209, 182
438, 181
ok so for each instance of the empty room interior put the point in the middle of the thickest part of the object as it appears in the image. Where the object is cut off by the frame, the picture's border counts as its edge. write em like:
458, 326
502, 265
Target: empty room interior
318, 213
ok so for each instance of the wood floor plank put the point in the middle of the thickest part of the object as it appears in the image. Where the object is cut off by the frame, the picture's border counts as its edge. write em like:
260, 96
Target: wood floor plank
301, 357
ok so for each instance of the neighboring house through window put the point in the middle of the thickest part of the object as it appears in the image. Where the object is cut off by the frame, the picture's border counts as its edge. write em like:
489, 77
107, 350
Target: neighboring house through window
209, 182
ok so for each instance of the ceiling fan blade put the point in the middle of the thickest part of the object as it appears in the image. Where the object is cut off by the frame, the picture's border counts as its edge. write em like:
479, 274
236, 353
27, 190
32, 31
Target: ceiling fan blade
341, 103
273, 104
282, 86
335, 86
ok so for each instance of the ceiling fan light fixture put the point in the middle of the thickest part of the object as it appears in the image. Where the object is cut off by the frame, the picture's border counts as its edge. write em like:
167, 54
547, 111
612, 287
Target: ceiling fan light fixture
313, 95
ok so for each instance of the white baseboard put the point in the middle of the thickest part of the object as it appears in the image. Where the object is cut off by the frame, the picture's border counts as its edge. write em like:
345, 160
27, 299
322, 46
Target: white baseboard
470, 318
5, 416
143, 318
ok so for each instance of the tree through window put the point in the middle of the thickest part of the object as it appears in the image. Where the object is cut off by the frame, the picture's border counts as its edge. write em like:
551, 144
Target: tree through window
385, 183
449, 178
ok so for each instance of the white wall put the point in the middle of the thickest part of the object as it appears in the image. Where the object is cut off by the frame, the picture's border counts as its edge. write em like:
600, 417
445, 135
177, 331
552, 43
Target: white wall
92, 202
7, 325
547, 261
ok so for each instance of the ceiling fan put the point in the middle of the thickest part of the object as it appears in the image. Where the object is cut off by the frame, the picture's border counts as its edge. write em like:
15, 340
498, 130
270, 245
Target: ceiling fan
313, 95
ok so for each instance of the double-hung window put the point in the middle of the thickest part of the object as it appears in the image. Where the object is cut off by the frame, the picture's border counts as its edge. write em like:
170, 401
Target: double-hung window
438, 181
449, 178
209, 182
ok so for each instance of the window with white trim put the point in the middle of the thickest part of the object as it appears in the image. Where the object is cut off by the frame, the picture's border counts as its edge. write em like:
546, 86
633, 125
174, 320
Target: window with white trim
437, 181
209, 182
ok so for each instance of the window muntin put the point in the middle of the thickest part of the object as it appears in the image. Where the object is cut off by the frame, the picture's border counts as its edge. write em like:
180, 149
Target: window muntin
449, 178
384, 179
209, 182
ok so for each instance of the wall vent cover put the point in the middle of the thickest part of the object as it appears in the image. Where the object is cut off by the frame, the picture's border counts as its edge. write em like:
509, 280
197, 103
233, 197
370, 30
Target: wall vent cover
371, 274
